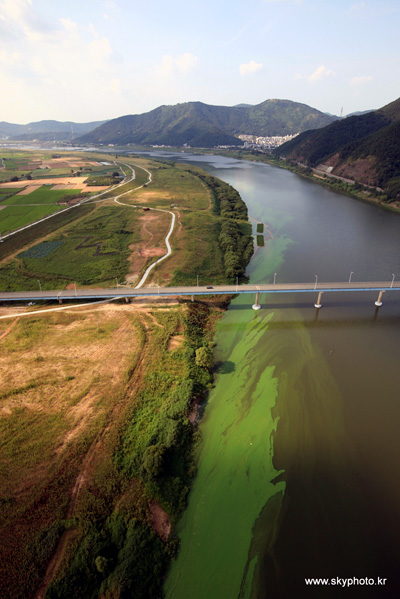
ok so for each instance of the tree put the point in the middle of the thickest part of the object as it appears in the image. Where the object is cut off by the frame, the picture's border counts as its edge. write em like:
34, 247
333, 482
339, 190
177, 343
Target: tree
204, 357
153, 459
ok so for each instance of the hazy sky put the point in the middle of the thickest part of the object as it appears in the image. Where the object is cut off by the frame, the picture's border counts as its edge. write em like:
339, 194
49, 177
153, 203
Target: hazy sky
86, 60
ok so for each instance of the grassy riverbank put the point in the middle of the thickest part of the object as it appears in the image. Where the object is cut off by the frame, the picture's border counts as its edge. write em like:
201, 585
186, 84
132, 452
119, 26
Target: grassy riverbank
97, 437
99, 243
97, 455
353, 190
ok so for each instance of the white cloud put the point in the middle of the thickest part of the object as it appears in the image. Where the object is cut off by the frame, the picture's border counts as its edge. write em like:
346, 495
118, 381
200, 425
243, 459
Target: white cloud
320, 73
359, 6
276, 1
183, 64
250, 67
186, 62
361, 80
55, 65
21, 20
9, 58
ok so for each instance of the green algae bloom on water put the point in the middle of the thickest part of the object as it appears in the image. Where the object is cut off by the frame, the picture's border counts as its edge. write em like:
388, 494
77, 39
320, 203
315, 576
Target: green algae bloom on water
235, 470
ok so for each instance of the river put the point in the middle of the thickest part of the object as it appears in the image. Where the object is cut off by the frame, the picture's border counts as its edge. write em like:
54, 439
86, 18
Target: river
298, 471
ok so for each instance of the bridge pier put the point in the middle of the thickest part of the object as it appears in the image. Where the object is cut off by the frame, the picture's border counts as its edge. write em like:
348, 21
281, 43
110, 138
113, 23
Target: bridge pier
256, 306
192, 298
127, 300
318, 304
379, 300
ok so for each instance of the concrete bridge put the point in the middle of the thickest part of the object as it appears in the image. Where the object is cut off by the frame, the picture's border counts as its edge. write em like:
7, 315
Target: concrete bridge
318, 289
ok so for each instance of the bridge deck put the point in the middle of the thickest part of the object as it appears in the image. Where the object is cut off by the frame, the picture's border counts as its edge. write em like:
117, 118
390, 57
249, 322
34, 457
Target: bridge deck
122, 291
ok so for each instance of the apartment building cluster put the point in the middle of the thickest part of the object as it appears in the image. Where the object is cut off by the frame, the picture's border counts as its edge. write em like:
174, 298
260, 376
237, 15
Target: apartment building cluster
265, 143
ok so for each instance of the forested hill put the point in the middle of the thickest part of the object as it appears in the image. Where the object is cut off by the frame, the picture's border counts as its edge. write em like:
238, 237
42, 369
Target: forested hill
46, 130
202, 125
364, 148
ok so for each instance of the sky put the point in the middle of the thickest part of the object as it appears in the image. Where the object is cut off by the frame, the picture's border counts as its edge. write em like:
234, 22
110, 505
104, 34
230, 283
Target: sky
89, 60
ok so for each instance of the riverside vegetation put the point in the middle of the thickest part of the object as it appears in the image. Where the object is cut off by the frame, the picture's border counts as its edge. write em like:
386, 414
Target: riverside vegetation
97, 459
95, 240
96, 435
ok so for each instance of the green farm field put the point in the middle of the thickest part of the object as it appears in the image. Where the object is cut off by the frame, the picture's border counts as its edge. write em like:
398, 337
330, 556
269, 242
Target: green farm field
180, 187
116, 243
95, 250
14, 217
43, 195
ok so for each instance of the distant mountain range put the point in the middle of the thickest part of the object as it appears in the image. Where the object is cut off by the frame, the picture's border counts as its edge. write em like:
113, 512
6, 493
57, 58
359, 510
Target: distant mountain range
46, 130
202, 125
364, 148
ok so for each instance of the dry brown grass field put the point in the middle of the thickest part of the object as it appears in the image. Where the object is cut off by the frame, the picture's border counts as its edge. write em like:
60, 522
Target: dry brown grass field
68, 382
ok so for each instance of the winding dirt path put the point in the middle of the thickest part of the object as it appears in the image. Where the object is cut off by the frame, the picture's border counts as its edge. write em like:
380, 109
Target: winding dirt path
12, 325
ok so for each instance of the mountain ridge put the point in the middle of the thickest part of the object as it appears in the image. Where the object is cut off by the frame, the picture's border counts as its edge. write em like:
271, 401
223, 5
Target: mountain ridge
47, 127
364, 148
204, 125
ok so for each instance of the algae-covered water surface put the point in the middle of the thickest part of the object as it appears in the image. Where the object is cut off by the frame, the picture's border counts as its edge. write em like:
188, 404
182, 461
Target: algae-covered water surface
297, 469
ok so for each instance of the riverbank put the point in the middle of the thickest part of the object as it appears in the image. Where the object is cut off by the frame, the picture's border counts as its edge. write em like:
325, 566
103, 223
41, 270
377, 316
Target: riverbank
314, 375
105, 452
331, 182
335, 183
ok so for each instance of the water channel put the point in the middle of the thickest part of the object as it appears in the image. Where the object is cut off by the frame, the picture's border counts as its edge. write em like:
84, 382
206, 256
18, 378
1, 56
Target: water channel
298, 471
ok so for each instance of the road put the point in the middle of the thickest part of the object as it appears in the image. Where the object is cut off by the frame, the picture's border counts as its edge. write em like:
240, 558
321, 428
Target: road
123, 291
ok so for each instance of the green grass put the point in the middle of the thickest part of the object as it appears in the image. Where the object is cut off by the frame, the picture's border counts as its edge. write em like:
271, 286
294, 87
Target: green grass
29, 438
202, 255
22, 239
14, 217
43, 195
154, 459
4, 191
44, 173
93, 251
183, 188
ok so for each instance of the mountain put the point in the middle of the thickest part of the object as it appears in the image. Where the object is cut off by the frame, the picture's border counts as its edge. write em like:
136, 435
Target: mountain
202, 125
46, 130
364, 148
360, 112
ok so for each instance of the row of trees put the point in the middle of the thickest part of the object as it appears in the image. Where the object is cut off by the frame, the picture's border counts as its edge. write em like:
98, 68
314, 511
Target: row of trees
237, 244
235, 238
226, 200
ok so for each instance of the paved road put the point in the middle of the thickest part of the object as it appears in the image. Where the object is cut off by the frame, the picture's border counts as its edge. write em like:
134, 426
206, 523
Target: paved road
122, 291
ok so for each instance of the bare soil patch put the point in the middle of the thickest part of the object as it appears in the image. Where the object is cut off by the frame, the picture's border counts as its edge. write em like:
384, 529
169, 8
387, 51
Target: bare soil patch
175, 342
160, 520
65, 186
146, 197
29, 189
362, 170
153, 229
